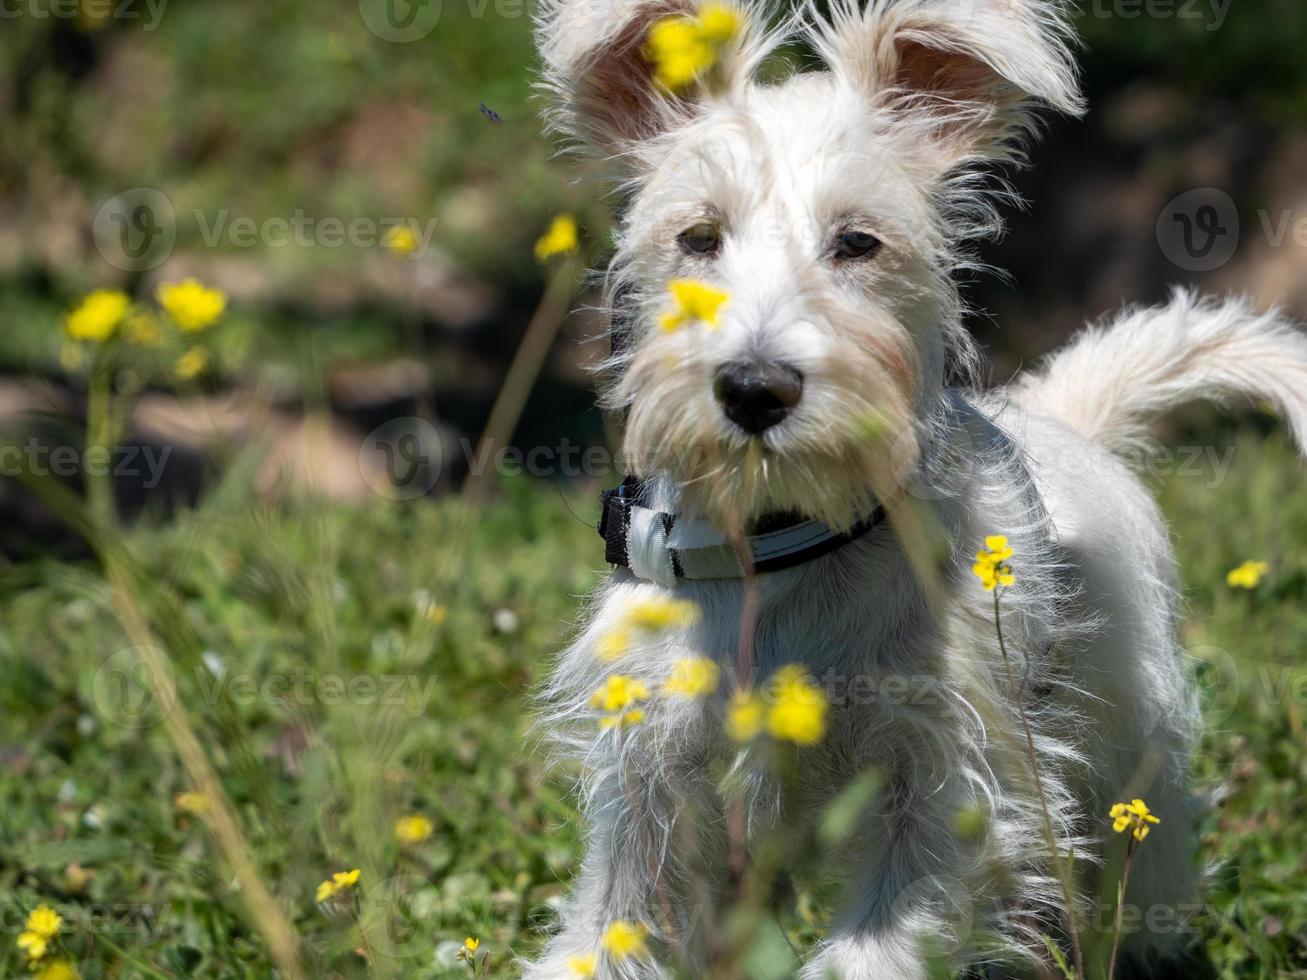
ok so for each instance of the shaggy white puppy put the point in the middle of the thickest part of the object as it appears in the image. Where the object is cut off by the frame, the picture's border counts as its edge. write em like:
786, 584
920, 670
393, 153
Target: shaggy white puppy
816, 477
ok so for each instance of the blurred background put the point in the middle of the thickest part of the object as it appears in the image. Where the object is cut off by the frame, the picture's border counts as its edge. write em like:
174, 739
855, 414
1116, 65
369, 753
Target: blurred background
302, 515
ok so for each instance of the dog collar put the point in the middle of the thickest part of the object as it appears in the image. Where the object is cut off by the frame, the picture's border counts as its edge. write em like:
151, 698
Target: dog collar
665, 548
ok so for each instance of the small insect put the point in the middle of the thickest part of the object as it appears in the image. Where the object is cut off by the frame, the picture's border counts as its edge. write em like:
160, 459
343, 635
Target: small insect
490, 114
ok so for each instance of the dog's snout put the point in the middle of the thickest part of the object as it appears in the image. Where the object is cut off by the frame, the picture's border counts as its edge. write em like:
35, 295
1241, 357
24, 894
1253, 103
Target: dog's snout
758, 396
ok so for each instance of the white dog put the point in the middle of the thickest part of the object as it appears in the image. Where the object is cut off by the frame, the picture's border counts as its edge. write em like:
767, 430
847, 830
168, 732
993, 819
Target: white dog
832, 208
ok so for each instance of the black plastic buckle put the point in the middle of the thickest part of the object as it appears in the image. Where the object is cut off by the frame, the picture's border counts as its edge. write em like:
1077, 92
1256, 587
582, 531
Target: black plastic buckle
615, 519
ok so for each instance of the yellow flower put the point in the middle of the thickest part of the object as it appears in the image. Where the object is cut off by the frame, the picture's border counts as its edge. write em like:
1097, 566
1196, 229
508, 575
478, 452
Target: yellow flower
683, 48
98, 315
1133, 816
798, 711
560, 239
633, 717
623, 939
42, 926
191, 364
745, 715
413, 829
468, 951
695, 301
991, 565
1248, 575
402, 240
661, 614
44, 921
32, 944
719, 23
619, 692
196, 804
619, 698
583, 966
339, 882
58, 970
693, 677
192, 305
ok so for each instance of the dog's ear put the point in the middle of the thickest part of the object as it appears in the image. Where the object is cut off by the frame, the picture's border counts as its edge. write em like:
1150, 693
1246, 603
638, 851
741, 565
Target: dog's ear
966, 73
605, 95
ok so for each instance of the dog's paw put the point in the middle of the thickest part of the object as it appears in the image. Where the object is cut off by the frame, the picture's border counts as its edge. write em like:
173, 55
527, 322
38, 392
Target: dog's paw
557, 964
854, 959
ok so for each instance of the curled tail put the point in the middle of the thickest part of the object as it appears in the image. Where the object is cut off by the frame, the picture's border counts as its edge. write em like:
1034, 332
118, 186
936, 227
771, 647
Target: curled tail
1113, 381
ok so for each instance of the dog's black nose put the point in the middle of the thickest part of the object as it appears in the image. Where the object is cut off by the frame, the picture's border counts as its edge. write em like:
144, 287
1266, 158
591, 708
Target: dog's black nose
757, 396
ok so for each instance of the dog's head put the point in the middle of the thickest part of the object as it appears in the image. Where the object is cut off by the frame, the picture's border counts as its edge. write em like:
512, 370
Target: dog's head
829, 207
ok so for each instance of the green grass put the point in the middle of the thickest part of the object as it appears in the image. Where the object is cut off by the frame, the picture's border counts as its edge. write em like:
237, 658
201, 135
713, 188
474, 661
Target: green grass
87, 818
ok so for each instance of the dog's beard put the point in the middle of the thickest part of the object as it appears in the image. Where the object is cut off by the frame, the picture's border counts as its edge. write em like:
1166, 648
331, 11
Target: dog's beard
851, 443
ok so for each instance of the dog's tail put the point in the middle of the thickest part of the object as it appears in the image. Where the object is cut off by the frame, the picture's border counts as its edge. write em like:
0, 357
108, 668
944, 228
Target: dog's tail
1113, 381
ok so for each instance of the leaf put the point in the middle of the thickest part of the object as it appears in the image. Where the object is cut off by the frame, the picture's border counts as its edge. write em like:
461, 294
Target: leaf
1059, 957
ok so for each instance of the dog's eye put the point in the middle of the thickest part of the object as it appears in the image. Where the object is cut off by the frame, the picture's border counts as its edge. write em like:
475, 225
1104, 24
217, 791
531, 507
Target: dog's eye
856, 245
701, 239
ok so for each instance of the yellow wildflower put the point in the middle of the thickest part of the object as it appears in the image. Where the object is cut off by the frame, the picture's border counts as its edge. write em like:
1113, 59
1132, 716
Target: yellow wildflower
58, 970
1134, 816
618, 692
402, 240
98, 315
196, 804
624, 719
560, 239
192, 305
1248, 575
619, 698
991, 565
745, 716
339, 882
693, 677
191, 364
468, 951
798, 712
623, 939
583, 966
661, 614
695, 301
613, 645
413, 829
719, 23
33, 945
683, 48
42, 926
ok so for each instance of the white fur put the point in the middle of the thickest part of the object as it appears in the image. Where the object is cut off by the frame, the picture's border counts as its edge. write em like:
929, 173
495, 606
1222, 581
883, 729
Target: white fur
920, 95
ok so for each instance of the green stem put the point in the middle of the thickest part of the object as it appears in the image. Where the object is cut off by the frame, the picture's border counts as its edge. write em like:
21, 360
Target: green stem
99, 441
1062, 873
1121, 887
521, 378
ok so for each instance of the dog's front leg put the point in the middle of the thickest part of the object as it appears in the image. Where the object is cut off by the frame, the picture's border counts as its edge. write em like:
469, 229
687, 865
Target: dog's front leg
911, 890
641, 866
